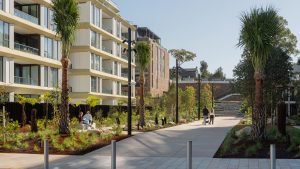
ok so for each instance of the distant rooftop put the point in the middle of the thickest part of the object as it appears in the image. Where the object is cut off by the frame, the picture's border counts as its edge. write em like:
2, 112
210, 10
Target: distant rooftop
143, 32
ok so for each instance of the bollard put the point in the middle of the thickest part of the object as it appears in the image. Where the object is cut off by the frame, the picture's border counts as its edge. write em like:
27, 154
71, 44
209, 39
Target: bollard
46, 154
273, 156
189, 155
113, 154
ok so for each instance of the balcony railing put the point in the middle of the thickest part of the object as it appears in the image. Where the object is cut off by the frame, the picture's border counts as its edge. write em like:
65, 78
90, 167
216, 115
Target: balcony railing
124, 93
124, 56
4, 42
26, 16
107, 91
125, 75
107, 29
107, 70
26, 81
124, 36
28, 49
107, 49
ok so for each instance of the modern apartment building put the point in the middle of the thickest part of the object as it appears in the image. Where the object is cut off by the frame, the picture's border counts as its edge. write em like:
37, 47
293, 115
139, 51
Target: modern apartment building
30, 50
157, 74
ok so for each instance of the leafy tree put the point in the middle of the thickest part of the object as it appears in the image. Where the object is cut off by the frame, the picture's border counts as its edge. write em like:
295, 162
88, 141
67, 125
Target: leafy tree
92, 101
170, 101
142, 60
23, 100
66, 16
182, 55
206, 95
205, 74
219, 74
259, 30
189, 96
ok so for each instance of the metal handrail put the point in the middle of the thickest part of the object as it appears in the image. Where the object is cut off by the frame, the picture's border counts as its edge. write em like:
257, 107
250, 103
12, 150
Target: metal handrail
26, 16
107, 91
25, 80
28, 49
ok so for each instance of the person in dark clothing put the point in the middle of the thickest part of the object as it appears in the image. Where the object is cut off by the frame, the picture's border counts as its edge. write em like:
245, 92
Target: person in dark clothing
205, 114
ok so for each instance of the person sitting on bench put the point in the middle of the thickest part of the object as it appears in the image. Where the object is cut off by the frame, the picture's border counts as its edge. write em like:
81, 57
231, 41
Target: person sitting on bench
87, 119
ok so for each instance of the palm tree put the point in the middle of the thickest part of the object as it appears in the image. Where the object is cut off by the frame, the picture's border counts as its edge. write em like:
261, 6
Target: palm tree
66, 16
258, 35
143, 59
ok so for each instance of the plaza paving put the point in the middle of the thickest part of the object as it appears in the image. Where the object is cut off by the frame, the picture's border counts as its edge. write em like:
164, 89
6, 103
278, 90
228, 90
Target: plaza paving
162, 149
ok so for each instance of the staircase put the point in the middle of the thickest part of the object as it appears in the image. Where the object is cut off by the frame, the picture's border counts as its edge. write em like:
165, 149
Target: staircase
227, 108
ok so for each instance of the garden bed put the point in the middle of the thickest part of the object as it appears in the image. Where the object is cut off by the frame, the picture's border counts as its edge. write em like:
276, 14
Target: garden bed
242, 146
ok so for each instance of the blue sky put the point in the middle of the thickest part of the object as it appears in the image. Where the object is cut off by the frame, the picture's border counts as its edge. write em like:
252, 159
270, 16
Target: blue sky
209, 28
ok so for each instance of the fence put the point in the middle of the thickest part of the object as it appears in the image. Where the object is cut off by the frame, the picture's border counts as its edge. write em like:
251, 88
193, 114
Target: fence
15, 110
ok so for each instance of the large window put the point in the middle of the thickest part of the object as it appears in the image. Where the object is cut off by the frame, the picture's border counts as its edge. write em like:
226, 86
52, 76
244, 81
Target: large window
2, 5
50, 48
50, 77
1, 69
93, 84
27, 74
4, 34
95, 40
48, 19
96, 16
95, 62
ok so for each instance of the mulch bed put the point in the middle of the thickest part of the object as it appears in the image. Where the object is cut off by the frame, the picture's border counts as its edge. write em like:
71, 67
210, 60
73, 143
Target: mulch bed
101, 143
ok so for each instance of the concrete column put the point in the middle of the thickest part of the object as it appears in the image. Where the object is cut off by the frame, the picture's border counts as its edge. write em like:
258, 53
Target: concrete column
42, 76
11, 71
100, 85
42, 15
59, 50
11, 36
6, 6
42, 45
11, 6
11, 97
100, 18
5, 70
114, 28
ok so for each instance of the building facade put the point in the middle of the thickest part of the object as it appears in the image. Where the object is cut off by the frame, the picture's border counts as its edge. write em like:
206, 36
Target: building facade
30, 50
157, 75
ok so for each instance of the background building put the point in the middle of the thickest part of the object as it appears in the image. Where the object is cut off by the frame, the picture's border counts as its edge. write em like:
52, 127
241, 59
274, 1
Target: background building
30, 51
157, 74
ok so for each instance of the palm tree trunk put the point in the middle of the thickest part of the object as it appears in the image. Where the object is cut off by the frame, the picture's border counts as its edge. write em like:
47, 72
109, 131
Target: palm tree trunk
142, 104
258, 123
64, 122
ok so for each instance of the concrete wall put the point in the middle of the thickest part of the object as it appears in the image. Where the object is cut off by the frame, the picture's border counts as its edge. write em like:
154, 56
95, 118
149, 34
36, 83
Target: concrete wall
81, 60
80, 83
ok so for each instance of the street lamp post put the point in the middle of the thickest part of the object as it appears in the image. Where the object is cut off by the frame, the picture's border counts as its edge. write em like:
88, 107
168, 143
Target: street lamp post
177, 102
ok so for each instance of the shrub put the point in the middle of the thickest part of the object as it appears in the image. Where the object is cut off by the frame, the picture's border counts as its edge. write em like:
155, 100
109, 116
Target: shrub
250, 151
294, 135
36, 148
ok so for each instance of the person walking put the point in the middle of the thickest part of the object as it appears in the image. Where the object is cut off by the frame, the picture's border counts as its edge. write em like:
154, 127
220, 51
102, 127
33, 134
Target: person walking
211, 116
205, 114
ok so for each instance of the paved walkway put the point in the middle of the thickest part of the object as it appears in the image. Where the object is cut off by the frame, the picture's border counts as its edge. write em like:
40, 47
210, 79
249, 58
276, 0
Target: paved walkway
162, 149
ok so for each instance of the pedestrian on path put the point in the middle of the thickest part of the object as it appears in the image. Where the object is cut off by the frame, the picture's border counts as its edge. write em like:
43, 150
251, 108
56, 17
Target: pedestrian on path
211, 116
205, 115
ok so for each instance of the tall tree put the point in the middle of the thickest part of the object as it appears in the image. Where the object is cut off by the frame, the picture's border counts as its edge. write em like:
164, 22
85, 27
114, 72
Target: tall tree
204, 70
66, 16
260, 29
219, 74
142, 60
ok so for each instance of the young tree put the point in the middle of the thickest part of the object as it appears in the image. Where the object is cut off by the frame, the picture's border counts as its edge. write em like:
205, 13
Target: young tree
142, 60
92, 101
189, 96
219, 74
23, 100
259, 30
66, 16
205, 74
206, 95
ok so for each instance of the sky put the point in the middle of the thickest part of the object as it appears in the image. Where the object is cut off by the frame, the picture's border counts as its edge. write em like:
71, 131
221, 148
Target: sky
209, 28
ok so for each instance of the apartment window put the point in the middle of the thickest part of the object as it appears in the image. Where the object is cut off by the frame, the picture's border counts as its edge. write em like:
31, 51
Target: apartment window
48, 19
46, 76
53, 77
2, 4
95, 15
95, 40
95, 62
1, 69
157, 66
50, 48
152, 58
93, 84
27, 74
4, 34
